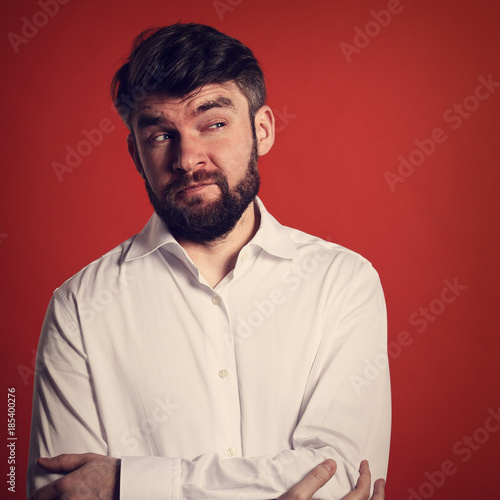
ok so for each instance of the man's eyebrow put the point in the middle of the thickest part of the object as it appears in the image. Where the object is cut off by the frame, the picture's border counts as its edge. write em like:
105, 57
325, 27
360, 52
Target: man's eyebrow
147, 120
219, 102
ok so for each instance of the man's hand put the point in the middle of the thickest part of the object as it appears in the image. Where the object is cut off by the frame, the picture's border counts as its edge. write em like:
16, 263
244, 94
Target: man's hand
322, 473
362, 489
318, 477
97, 477
90, 477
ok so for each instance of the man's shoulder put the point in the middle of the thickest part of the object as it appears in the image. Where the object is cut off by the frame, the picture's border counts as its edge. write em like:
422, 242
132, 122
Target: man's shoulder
100, 273
115, 266
289, 242
328, 266
328, 251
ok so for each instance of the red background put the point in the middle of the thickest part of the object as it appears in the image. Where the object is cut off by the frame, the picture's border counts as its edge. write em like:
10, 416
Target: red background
342, 126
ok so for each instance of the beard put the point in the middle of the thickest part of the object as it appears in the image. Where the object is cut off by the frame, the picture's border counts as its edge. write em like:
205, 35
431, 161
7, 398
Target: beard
204, 222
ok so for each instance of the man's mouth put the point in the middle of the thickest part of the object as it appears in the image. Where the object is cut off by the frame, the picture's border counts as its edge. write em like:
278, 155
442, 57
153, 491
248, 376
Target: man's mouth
197, 183
195, 188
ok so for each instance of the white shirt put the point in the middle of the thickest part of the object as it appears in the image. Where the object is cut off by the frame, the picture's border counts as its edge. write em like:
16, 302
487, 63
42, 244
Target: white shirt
229, 392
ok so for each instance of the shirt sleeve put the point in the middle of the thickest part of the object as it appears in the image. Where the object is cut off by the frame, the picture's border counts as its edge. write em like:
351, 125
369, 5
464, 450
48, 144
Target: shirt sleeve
64, 415
346, 415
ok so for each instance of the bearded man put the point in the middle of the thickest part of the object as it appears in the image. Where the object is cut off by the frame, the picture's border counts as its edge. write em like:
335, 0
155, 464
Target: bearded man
214, 354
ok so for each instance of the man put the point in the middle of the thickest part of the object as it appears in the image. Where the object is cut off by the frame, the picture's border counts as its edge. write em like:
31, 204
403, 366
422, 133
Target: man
216, 353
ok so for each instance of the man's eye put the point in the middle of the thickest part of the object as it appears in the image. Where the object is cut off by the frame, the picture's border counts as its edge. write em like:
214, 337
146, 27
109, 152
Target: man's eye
162, 137
217, 125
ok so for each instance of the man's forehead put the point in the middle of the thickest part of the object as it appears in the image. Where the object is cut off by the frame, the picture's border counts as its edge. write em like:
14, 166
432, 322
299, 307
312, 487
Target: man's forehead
226, 95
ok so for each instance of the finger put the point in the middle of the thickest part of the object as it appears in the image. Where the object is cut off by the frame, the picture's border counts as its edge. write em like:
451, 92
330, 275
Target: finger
66, 462
314, 480
362, 489
324, 472
379, 490
365, 478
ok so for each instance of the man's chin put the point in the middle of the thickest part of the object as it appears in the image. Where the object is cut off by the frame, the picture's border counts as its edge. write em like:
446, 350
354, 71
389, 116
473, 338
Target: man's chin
198, 204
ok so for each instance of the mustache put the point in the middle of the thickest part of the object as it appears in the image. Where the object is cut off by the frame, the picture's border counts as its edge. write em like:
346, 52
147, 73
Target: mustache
176, 185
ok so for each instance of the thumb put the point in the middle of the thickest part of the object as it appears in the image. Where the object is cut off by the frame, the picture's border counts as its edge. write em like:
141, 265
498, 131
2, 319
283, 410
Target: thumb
66, 462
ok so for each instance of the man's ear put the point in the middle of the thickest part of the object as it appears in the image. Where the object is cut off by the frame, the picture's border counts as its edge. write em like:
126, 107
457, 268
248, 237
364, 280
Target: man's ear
264, 129
132, 149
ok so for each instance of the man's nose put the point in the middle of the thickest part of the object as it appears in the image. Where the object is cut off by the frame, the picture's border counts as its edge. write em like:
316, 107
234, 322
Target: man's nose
189, 154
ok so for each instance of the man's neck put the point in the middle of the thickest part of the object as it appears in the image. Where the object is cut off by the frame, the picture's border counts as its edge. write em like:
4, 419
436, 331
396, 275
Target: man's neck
218, 258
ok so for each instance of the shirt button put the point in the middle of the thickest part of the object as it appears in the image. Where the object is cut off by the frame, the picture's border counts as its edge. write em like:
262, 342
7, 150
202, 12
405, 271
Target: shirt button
231, 452
244, 256
223, 373
216, 300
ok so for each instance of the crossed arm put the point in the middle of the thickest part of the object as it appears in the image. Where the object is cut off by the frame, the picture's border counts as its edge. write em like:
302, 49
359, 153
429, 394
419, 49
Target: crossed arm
93, 476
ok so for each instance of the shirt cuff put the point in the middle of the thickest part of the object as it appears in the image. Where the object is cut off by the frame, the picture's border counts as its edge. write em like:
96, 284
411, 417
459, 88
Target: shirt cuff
150, 478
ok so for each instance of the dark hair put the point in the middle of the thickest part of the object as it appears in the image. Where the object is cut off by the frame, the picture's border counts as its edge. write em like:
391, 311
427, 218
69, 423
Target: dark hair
177, 59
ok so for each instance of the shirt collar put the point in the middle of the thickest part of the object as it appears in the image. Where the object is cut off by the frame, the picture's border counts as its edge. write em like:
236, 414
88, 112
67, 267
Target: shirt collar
271, 237
154, 235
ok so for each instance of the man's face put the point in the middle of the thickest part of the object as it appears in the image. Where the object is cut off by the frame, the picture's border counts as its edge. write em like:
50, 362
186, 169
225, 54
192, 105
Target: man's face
198, 155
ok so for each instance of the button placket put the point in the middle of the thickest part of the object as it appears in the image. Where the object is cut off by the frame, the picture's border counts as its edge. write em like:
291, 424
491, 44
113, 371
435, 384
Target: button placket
223, 384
